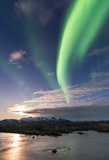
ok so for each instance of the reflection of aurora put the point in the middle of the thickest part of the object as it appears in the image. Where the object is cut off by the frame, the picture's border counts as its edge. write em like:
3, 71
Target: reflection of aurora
83, 22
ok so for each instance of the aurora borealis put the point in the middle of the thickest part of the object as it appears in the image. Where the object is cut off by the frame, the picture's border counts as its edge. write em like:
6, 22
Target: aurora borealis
54, 58
83, 22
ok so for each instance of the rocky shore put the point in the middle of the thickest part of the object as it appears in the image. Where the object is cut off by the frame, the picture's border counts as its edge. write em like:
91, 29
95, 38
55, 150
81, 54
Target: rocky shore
56, 128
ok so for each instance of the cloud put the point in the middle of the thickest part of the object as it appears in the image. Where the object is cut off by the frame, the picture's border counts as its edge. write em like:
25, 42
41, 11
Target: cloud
38, 65
25, 7
15, 57
2, 110
31, 8
85, 95
99, 52
51, 74
100, 74
44, 10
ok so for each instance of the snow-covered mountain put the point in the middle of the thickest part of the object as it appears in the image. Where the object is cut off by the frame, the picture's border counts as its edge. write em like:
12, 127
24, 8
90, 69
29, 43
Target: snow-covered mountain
43, 120
34, 119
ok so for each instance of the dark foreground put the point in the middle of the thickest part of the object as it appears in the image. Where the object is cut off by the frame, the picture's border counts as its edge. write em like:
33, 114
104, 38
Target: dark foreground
54, 129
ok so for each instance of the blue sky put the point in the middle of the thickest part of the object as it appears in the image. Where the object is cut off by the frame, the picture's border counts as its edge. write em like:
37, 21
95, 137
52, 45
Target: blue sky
30, 31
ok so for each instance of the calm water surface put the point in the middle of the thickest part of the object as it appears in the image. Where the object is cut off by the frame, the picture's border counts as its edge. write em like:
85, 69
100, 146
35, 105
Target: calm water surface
89, 146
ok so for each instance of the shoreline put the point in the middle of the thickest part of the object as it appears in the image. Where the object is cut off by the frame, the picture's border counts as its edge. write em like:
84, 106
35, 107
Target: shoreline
55, 129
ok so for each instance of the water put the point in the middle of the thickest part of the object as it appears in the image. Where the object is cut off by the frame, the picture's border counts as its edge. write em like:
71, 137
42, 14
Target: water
89, 146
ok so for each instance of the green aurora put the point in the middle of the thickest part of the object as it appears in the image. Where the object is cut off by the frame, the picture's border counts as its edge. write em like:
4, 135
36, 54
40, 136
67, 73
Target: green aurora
83, 22
33, 39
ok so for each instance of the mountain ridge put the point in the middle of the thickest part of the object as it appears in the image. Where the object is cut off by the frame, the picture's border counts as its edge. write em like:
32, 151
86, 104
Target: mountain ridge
35, 120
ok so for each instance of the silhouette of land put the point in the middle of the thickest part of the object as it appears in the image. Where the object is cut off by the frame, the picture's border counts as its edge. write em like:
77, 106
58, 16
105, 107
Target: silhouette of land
52, 127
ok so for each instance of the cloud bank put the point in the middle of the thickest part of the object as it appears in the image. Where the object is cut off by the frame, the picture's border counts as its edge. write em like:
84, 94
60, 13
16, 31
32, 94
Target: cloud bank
85, 95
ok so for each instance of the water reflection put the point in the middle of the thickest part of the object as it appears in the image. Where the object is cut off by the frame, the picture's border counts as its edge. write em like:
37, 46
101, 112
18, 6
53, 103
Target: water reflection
16, 140
69, 147
11, 147
15, 151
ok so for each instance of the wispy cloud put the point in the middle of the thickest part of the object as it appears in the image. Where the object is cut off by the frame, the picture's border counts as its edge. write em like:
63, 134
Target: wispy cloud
26, 7
99, 52
31, 8
43, 10
87, 94
51, 74
15, 57
100, 74
38, 65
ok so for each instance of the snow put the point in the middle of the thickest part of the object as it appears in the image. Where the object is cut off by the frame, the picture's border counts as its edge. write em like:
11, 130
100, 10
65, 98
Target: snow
40, 119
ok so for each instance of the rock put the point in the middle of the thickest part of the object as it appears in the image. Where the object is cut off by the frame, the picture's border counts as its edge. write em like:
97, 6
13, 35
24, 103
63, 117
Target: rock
80, 133
54, 151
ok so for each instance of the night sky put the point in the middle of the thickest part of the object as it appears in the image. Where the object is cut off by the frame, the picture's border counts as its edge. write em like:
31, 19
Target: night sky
49, 68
